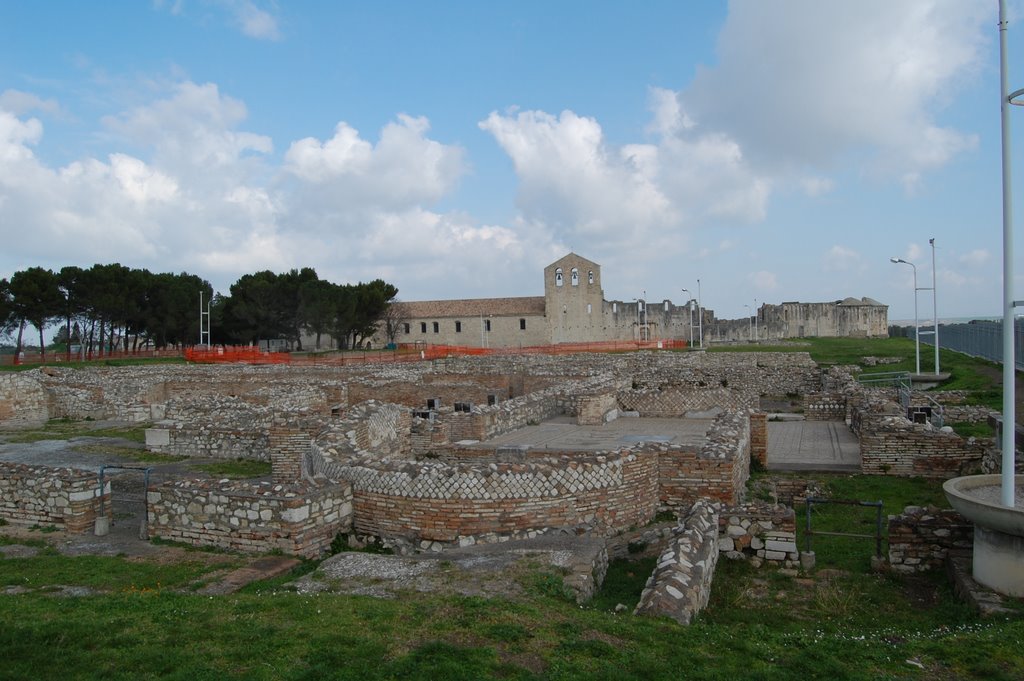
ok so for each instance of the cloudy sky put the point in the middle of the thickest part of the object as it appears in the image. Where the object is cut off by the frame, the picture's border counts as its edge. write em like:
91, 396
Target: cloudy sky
774, 149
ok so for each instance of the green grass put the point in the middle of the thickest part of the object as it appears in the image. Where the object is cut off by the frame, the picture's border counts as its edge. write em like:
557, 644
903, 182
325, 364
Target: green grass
973, 429
126, 362
849, 553
238, 468
65, 429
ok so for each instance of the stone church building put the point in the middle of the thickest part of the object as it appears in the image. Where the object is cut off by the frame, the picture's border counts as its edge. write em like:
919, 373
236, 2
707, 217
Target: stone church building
573, 310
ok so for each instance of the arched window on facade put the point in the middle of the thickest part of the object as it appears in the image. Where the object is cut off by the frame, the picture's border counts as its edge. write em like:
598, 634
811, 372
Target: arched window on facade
574, 277
558, 277
590, 277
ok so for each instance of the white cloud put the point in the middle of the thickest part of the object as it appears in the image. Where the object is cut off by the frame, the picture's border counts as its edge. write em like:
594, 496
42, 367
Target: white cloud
841, 259
253, 21
800, 82
976, 258
817, 186
405, 168
20, 103
763, 280
580, 186
203, 195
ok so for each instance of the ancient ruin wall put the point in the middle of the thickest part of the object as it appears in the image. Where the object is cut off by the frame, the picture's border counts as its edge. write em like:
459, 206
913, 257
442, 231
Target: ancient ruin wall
23, 402
300, 519
717, 470
922, 538
680, 585
892, 445
676, 401
40, 495
438, 502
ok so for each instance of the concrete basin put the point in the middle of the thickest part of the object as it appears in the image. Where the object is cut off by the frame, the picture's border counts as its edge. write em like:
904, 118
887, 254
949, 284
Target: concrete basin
998, 530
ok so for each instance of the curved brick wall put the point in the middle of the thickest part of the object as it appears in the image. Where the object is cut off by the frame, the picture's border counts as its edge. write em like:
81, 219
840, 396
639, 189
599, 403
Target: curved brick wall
436, 501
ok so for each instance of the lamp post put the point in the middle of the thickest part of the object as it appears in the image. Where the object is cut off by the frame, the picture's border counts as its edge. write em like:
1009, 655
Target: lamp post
689, 308
750, 324
637, 301
917, 335
935, 308
647, 329
700, 318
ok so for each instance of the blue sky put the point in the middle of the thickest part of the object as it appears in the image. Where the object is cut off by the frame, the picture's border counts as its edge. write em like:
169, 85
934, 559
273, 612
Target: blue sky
776, 150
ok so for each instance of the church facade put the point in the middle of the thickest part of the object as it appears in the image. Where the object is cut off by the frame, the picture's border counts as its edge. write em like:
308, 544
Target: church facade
573, 309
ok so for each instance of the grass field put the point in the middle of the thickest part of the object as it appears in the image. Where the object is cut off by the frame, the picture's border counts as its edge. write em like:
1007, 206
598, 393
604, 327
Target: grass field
841, 621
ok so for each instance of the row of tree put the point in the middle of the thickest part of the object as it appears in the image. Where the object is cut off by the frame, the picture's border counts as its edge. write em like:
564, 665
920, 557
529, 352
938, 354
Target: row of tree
269, 305
112, 306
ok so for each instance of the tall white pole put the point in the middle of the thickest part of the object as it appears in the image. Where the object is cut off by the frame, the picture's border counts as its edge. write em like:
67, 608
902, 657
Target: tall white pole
1008, 495
935, 308
700, 317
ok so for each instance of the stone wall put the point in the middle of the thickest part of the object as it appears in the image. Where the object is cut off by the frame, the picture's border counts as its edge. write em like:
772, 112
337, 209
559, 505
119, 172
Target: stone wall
680, 585
922, 538
40, 495
760, 533
892, 445
678, 401
23, 402
825, 407
300, 519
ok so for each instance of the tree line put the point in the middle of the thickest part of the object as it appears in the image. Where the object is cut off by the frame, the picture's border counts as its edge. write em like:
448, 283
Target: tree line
108, 307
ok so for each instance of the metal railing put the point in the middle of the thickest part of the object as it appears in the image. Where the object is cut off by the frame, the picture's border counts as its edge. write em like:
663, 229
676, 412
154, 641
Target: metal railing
877, 536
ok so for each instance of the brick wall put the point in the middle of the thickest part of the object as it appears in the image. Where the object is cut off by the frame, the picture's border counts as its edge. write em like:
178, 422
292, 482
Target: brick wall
40, 495
442, 502
300, 519
759, 438
717, 470
921, 538
593, 410
892, 445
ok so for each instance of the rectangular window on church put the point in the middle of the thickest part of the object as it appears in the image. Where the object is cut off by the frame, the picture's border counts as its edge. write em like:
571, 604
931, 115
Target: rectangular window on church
589, 308
406, 328
423, 327
522, 324
437, 327
487, 325
458, 327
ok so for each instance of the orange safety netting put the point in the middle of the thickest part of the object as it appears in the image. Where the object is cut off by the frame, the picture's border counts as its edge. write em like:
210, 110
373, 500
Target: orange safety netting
412, 353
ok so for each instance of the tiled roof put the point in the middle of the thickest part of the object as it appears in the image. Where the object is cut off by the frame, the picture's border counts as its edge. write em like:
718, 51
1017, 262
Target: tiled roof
474, 307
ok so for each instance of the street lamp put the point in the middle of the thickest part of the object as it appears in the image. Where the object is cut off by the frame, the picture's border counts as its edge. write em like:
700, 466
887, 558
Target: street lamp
917, 335
689, 307
700, 317
647, 329
757, 335
935, 308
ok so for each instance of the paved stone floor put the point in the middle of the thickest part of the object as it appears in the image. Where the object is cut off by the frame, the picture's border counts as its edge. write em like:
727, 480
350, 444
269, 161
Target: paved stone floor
563, 434
812, 446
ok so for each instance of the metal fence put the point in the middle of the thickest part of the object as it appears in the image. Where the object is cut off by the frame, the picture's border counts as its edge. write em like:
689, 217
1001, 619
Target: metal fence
978, 338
